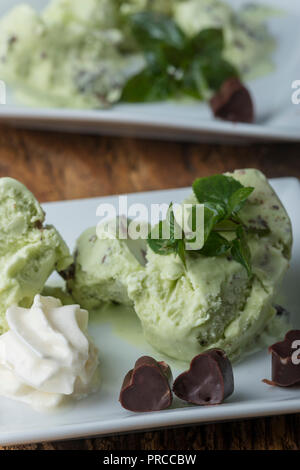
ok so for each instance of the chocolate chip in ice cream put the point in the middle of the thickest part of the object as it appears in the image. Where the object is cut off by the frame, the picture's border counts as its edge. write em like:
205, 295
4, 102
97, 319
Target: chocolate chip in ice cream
147, 387
282, 312
208, 381
68, 273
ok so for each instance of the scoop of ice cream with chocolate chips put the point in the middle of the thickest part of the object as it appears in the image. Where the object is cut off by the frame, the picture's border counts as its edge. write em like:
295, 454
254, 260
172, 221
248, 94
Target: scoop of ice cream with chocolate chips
212, 302
106, 264
29, 250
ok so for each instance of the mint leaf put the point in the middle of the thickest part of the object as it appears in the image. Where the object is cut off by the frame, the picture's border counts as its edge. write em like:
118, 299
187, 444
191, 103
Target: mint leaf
173, 245
223, 197
180, 251
209, 42
162, 41
148, 86
176, 232
217, 189
238, 199
219, 194
216, 245
213, 213
240, 251
194, 82
216, 71
202, 74
226, 226
221, 191
160, 245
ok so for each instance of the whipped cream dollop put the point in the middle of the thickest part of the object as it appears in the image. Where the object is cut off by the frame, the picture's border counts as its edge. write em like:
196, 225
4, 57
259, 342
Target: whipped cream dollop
47, 355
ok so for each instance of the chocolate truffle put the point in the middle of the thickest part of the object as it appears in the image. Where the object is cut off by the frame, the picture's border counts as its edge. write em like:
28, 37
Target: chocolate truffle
147, 387
233, 102
208, 381
286, 361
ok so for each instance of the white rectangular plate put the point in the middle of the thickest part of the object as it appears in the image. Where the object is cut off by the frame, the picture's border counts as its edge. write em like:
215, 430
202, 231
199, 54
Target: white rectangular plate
101, 414
276, 117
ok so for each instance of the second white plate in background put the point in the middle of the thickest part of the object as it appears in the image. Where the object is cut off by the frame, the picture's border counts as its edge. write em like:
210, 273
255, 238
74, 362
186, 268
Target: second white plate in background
277, 117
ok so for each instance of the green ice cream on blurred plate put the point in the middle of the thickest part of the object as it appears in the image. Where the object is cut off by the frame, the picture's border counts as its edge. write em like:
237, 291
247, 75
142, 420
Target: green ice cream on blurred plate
84, 54
248, 42
29, 250
70, 55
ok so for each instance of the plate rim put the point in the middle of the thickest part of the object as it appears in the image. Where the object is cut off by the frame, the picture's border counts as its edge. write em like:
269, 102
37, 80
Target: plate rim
141, 126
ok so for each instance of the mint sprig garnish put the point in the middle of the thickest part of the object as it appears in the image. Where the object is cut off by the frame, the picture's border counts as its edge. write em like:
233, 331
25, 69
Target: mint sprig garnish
174, 244
223, 197
176, 65
223, 192
226, 196
216, 245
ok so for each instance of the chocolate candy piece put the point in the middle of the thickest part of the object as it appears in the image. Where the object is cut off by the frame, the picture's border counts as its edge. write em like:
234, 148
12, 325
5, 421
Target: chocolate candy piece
233, 102
286, 361
208, 381
147, 386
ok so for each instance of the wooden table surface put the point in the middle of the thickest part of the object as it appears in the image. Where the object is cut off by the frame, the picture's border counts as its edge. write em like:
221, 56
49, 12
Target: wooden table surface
64, 166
